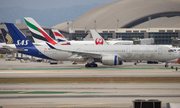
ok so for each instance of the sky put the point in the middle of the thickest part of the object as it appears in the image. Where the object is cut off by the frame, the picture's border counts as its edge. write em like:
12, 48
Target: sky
48, 4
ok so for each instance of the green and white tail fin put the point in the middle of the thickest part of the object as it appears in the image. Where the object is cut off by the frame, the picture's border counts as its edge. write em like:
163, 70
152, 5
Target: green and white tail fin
38, 33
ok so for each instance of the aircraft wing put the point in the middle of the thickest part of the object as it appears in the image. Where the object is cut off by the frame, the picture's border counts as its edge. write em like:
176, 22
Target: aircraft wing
80, 53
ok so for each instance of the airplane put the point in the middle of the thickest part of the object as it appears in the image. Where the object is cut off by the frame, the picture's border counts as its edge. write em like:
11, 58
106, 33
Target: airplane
7, 45
59, 37
39, 34
98, 40
107, 55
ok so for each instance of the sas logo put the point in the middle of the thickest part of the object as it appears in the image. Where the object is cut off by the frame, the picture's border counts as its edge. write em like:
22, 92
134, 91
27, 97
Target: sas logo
22, 42
99, 41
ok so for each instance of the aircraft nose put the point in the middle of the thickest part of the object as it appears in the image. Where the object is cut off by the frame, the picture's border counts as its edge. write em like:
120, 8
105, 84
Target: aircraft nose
177, 55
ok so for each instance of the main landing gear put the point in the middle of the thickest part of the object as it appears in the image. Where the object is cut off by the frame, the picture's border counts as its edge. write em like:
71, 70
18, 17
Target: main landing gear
91, 65
166, 65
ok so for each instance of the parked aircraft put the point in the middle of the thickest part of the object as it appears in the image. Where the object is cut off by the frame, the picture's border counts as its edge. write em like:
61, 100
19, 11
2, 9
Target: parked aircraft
39, 34
58, 36
107, 55
98, 40
7, 45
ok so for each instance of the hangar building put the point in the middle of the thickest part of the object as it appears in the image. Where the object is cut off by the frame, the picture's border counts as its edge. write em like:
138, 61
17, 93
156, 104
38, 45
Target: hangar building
128, 19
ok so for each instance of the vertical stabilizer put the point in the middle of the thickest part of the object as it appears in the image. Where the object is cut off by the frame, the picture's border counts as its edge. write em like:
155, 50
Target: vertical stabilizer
38, 32
58, 36
18, 37
23, 44
97, 38
6, 37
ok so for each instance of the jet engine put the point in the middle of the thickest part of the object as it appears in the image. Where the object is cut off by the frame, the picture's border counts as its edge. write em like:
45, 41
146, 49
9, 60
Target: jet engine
111, 60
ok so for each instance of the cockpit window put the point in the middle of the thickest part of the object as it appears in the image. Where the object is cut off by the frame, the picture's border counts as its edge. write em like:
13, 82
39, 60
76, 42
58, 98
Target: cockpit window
170, 50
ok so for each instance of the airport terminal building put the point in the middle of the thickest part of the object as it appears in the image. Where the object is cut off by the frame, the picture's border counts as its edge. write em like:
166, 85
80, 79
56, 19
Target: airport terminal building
124, 19
127, 19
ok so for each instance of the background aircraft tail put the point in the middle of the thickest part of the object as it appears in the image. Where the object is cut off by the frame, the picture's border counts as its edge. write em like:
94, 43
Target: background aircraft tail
1, 41
6, 37
23, 44
97, 38
58, 36
37, 31
18, 37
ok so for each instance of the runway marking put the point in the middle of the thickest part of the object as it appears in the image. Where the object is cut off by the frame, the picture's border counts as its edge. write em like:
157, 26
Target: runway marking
80, 105
79, 68
45, 92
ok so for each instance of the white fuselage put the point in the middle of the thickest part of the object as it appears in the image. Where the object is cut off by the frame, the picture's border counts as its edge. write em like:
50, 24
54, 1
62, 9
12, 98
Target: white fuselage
124, 52
109, 42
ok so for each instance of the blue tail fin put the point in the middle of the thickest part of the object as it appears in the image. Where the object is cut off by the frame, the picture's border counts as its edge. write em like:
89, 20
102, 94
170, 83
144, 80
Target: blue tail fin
1, 41
23, 42
6, 37
18, 37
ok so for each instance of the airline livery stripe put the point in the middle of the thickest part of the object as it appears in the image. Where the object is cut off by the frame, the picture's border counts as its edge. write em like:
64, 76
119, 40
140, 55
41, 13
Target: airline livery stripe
47, 37
36, 32
41, 31
115, 60
32, 26
57, 34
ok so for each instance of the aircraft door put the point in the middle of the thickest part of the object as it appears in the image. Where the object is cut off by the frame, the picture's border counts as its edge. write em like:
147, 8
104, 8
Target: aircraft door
127, 50
159, 51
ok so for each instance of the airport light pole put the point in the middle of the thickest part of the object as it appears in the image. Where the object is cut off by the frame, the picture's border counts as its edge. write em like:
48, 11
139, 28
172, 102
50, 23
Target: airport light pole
149, 18
94, 24
117, 23
68, 26
72, 23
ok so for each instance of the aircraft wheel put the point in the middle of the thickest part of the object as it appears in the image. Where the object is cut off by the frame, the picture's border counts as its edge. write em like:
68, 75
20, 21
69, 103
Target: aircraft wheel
95, 65
87, 65
166, 66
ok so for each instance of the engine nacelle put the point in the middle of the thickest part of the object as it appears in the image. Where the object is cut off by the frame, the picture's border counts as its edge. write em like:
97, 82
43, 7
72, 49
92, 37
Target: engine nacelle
111, 60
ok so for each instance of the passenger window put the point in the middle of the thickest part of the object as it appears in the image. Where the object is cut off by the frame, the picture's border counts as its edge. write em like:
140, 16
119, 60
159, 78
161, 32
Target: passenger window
170, 50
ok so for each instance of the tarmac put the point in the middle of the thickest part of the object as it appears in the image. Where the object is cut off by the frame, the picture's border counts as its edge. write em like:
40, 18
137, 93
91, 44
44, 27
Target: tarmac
119, 95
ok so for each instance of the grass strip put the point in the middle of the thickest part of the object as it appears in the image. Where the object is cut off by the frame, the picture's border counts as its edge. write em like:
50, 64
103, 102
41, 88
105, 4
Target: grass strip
93, 80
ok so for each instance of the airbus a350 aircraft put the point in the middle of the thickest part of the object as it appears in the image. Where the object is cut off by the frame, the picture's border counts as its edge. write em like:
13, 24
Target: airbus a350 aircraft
107, 55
